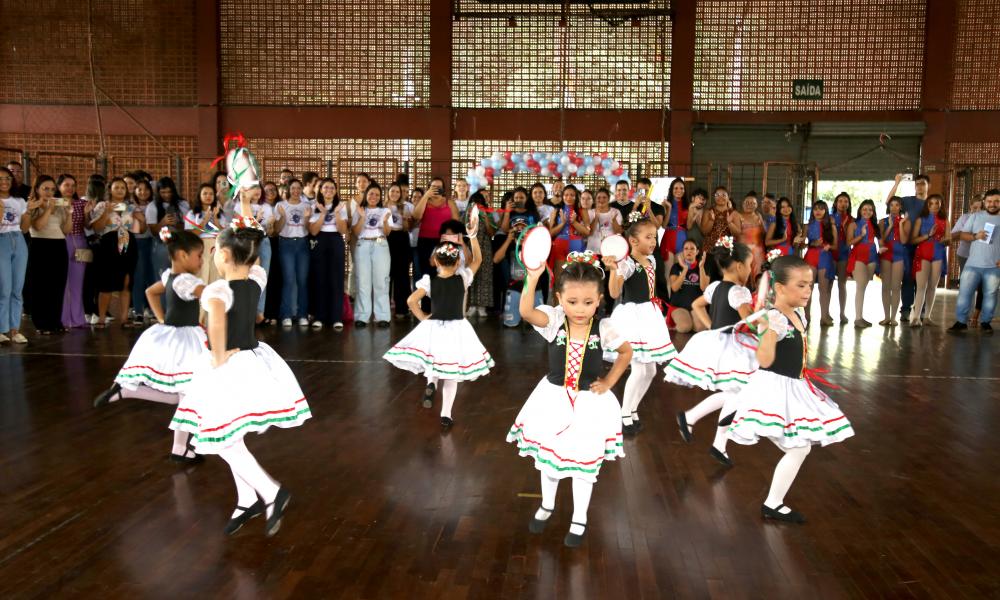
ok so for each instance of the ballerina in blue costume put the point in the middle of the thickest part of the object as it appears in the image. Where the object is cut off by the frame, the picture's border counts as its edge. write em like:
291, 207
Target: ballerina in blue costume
783, 401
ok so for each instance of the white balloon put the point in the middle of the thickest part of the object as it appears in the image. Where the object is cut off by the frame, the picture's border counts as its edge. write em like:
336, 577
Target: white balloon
564, 160
480, 171
498, 157
590, 170
571, 168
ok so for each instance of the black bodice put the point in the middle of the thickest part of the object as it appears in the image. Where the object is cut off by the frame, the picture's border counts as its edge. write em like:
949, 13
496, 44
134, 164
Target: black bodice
593, 363
719, 310
242, 315
179, 313
448, 298
636, 287
788, 356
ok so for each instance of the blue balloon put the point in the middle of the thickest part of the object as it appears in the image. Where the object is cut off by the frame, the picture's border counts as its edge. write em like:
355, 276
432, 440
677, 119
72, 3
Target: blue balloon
516, 158
473, 184
588, 160
606, 163
486, 163
537, 156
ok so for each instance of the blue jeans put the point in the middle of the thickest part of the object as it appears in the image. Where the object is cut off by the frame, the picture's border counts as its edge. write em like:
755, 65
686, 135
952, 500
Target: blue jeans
294, 256
144, 276
969, 282
161, 258
372, 266
13, 265
511, 307
265, 263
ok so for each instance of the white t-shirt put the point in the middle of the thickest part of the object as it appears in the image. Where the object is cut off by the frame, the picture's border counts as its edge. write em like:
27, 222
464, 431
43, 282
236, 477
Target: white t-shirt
545, 211
414, 227
296, 217
185, 284
13, 209
118, 219
374, 219
151, 213
263, 213
192, 220
603, 228
396, 220
461, 205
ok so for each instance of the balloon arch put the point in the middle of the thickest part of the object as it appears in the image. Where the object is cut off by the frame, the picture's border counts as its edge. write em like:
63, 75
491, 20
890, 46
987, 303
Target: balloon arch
547, 164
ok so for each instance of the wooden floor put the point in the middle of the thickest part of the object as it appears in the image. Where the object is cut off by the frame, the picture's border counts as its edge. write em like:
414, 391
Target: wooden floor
386, 506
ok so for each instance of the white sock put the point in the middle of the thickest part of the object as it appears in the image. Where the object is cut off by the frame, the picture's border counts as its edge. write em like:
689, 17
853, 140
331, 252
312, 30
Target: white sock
449, 387
635, 388
784, 475
726, 415
708, 405
549, 488
180, 444
147, 393
245, 466
581, 502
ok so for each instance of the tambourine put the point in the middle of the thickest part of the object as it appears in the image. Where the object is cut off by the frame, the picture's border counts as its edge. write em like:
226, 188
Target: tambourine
535, 243
615, 246
472, 220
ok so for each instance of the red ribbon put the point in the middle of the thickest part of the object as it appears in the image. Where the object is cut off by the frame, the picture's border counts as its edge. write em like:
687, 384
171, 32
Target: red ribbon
240, 142
811, 375
739, 331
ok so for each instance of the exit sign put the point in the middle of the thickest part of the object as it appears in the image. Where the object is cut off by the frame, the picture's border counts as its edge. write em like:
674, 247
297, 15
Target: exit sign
807, 89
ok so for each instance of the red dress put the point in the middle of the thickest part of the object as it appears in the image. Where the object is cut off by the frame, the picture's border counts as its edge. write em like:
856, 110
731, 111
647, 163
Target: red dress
865, 251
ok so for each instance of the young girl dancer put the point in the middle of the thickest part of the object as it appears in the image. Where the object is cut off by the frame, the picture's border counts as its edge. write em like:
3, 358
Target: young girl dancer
930, 235
246, 387
444, 346
821, 240
569, 425
161, 363
720, 359
639, 315
895, 228
863, 262
782, 401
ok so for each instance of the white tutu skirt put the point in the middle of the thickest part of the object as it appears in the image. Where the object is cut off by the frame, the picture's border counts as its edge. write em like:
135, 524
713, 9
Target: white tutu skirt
714, 360
253, 391
568, 439
786, 411
164, 358
442, 349
646, 331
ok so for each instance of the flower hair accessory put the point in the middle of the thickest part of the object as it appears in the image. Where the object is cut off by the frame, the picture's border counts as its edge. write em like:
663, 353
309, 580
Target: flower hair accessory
726, 242
447, 249
587, 258
165, 235
635, 216
773, 255
243, 222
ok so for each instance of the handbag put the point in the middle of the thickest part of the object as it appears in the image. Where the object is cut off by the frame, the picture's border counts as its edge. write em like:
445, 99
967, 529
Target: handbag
83, 255
348, 311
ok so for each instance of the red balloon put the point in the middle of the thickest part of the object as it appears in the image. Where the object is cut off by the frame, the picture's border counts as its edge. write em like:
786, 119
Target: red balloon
553, 167
604, 155
598, 170
509, 166
489, 172
618, 172
508, 154
537, 168
579, 161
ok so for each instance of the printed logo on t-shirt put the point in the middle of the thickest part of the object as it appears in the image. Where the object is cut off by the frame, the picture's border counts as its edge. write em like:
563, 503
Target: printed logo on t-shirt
296, 218
373, 221
9, 217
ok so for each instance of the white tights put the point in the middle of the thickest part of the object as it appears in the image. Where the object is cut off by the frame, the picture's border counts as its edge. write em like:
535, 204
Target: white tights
582, 491
636, 387
784, 475
250, 478
449, 387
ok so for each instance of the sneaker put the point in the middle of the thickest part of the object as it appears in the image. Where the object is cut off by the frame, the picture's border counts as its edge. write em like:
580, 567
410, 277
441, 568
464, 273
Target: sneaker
958, 326
18, 338
4, 339
91, 319
471, 312
317, 325
482, 311
983, 327
286, 322
338, 326
304, 322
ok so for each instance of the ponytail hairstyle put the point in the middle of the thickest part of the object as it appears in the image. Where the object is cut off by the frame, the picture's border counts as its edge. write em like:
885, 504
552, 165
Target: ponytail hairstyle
582, 267
183, 240
724, 255
446, 254
242, 238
